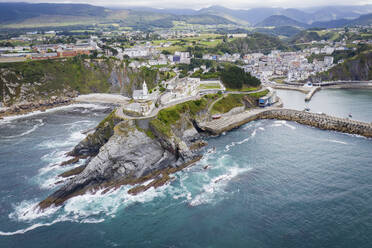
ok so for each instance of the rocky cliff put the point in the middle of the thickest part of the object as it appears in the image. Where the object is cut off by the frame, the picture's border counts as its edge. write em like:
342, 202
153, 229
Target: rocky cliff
131, 152
38, 85
31, 82
358, 68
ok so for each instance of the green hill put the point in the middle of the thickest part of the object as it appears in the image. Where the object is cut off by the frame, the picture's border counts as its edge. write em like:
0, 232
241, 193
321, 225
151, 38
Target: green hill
279, 21
38, 80
25, 15
253, 43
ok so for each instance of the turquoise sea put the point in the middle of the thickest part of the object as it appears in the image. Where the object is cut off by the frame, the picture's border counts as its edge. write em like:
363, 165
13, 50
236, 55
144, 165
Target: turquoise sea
269, 184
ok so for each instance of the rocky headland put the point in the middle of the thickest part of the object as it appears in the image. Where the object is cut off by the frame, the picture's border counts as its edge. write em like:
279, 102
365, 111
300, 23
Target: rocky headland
132, 152
144, 153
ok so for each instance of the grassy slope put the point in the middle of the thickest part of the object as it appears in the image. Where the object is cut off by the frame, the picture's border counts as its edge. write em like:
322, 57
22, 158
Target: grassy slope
170, 116
253, 43
227, 103
41, 79
50, 77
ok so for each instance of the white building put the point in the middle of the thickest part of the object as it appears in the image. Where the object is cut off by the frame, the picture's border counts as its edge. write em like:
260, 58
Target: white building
328, 60
141, 94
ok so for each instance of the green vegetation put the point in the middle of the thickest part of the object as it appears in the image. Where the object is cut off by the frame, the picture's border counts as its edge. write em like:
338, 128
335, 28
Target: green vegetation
206, 75
257, 95
210, 86
307, 36
227, 103
244, 89
57, 75
236, 78
253, 43
148, 132
170, 116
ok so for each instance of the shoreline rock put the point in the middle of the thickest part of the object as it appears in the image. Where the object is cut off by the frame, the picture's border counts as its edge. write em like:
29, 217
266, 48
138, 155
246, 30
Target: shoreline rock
26, 107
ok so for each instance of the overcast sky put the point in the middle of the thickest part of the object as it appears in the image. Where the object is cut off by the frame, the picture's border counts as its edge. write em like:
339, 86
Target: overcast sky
196, 4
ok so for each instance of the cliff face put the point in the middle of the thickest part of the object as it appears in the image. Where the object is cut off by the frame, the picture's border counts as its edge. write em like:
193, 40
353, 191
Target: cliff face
128, 155
358, 68
131, 152
40, 80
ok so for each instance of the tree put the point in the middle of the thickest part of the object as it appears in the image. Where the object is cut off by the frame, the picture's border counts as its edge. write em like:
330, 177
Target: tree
165, 52
235, 77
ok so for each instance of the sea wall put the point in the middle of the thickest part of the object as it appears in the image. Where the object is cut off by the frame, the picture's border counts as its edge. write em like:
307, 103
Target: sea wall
321, 121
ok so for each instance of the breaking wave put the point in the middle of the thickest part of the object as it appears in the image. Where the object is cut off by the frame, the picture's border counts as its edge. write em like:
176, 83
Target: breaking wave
36, 126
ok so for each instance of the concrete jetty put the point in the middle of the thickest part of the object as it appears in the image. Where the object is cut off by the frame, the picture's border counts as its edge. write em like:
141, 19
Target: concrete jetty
321, 121
311, 93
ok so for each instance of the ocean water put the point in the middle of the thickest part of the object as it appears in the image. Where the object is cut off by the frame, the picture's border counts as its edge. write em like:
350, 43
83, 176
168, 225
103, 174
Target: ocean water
267, 184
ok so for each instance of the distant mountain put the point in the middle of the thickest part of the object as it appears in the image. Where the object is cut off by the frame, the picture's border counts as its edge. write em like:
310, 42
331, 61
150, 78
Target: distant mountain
307, 15
280, 21
26, 15
362, 20
168, 11
329, 13
16, 12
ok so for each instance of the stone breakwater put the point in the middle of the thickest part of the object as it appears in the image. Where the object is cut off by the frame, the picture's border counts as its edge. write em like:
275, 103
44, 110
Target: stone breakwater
321, 121
311, 93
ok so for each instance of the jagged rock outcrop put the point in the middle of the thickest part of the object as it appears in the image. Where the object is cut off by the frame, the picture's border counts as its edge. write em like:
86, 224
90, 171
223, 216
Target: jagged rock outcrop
131, 152
128, 155
93, 142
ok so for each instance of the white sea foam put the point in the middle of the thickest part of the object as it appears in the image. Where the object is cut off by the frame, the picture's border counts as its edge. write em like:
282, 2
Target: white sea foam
338, 142
87, 208
234, 143
283, 124
69, 142
77, 122
36, 126
216, 186
8, 119
290, 126
28, 210
34, 226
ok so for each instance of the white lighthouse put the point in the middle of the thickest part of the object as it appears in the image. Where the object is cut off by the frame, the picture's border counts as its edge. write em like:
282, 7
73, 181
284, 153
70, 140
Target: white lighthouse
145, 90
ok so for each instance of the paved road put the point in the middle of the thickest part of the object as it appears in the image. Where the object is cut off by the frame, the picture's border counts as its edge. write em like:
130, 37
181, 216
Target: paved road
120, 113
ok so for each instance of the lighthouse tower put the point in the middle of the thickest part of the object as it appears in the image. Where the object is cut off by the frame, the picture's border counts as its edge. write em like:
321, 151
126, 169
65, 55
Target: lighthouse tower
145, 90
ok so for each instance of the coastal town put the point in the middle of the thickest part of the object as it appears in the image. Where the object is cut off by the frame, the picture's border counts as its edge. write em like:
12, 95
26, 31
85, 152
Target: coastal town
185, 124
190, 73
